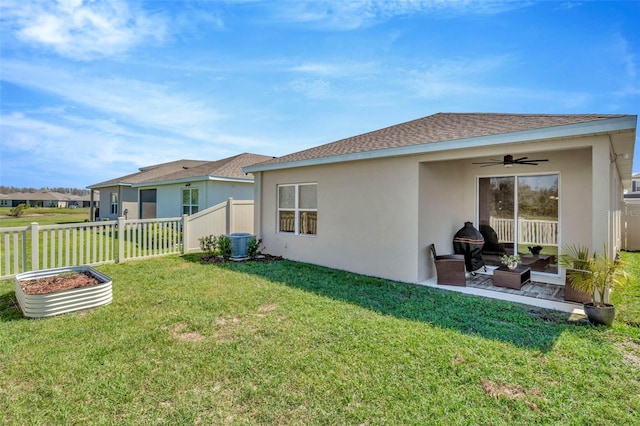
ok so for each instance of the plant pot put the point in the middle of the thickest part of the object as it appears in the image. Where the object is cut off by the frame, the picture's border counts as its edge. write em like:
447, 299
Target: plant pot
59, 302
600, 315
512, 266
573, 295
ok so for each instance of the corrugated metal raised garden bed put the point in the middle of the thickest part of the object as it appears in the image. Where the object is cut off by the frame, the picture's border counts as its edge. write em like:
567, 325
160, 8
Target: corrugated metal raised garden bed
41, 296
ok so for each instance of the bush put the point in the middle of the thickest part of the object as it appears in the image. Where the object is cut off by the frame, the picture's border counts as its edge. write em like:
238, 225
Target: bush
216, 246
209, 245
253, 248
224, 247
18, 210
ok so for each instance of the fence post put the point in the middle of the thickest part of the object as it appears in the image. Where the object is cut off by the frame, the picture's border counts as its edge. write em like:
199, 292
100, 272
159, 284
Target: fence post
185, 234
121, 237
230, 221
35, 247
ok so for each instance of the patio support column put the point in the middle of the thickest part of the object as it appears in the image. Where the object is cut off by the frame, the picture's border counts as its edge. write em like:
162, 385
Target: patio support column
600, 196
257, 204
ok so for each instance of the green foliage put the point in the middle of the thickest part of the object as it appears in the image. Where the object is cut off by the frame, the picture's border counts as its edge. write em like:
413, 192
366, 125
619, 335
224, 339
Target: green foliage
209, 244
510, 259
224, 247
18, 210
253, 248
594, 275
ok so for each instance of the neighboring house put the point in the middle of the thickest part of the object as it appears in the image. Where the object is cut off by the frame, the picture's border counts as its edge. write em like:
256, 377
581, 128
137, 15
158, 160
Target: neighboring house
176, 188
44, 199
372, 203
631, 216
632, 196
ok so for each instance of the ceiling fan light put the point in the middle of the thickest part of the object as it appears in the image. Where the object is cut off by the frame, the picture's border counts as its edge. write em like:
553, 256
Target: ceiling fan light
508, 164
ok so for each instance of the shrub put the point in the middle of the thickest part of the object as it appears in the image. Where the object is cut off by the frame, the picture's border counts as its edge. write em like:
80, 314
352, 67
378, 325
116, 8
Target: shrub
224, 247
18, 210
209, 244
253, 248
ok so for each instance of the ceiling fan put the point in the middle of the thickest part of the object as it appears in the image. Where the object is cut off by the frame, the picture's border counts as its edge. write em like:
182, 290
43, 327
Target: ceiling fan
509, 161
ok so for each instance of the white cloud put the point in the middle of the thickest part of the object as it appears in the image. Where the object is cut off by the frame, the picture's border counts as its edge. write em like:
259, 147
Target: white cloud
82, 29
454, 80
354, 14
314, 89
132, 101
333, 69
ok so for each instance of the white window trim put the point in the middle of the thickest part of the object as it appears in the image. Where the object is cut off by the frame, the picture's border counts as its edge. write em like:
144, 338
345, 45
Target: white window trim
113, 206
296, 209
191, 205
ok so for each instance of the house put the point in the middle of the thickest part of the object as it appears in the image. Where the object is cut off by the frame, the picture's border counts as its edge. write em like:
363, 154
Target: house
631, 216
175, 188
632, 195
44, 198
373, 203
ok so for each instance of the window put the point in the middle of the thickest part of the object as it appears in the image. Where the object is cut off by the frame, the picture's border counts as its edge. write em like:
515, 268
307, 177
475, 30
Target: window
518, 213
114, 203
190, 201
298, 209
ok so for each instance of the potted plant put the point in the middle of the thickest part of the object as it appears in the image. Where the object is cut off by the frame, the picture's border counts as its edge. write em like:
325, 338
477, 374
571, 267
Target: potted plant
574, 260
596, 276
510, 260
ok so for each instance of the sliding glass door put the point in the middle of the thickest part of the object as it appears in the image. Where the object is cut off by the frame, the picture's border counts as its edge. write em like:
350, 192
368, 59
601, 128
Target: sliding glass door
519, 214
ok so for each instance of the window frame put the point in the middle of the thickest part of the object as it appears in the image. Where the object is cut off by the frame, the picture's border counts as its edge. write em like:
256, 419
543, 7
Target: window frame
114, 203
296, 209
190, 205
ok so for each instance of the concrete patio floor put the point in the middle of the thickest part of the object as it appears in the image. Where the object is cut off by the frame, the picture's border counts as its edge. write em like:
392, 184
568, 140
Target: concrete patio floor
542, 295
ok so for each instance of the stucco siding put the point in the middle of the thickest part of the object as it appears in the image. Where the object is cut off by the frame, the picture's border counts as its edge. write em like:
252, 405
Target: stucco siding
377, 217
367, 217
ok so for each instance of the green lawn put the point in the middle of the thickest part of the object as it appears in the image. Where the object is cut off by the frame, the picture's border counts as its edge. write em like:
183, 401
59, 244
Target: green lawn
44, 216
291, 343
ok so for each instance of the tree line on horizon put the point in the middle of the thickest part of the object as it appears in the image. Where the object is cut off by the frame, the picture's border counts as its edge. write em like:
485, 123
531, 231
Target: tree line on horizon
72, 191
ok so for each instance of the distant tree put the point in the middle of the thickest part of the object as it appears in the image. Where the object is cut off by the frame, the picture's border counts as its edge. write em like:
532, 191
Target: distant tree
73, 191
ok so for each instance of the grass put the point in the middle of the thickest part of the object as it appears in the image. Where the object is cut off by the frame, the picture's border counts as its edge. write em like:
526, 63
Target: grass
291, 343
44, 216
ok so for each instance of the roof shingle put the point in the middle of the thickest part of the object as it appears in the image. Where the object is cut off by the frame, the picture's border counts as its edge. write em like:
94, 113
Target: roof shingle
230, 167
438, 128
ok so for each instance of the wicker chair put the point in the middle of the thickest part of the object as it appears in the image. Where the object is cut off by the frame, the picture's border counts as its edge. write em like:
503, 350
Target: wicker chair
450, 268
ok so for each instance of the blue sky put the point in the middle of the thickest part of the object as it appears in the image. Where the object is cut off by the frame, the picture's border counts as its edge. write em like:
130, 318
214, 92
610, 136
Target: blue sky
93, 90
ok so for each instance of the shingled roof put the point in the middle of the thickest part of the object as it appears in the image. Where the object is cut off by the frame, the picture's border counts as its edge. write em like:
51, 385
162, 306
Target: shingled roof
226, 168
230, 168
432, 129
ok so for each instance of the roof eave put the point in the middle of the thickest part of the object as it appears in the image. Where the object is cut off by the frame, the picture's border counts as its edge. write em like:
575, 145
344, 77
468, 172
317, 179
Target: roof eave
580, 129
193, 179
108, 185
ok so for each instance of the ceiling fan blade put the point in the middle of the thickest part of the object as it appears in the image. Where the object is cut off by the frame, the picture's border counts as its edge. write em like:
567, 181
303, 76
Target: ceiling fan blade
520, 159
489, 162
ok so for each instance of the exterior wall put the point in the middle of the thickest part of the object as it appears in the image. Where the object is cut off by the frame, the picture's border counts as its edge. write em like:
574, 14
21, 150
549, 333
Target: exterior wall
367, 217
128, 202
377, 217
127, 199
169, 197
441, 210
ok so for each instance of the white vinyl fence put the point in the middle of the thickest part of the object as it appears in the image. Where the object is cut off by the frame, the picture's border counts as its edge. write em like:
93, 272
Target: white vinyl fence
540, 232
631, 227
34, 247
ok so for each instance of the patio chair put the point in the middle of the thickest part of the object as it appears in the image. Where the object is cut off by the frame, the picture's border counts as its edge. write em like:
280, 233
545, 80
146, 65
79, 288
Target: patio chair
450, 268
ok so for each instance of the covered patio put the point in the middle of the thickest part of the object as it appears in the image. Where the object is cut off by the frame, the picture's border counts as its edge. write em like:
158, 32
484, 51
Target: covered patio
534, 293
